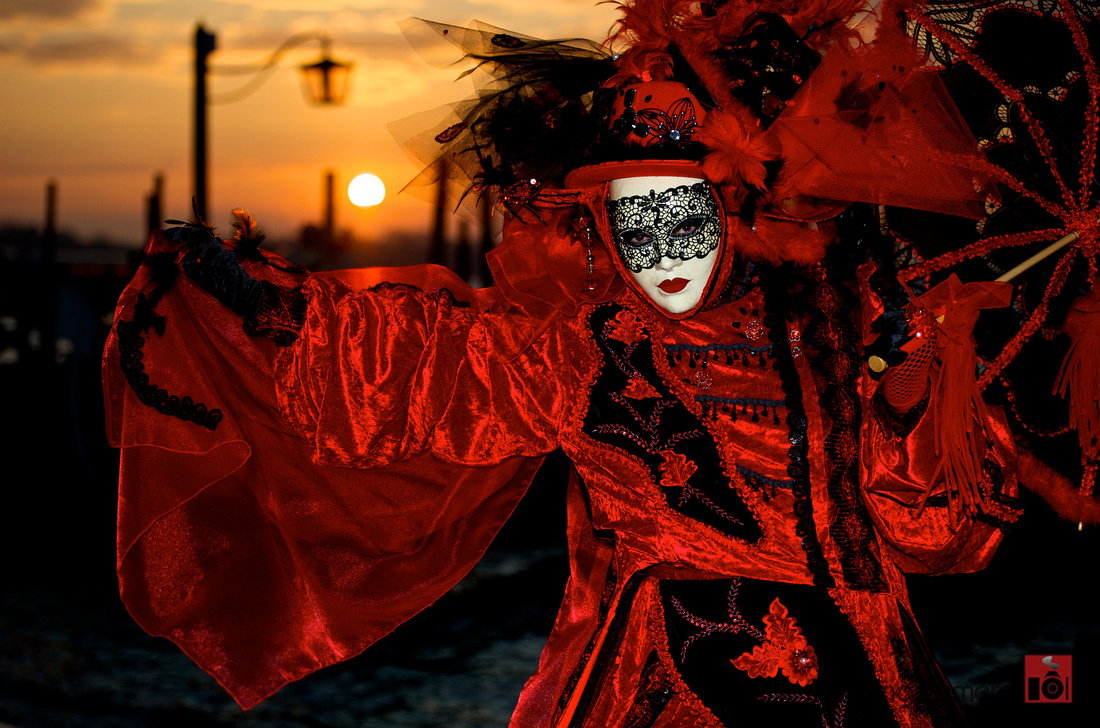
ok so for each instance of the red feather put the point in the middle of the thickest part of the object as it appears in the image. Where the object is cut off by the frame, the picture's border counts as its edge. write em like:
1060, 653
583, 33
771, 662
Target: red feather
651, 23
802, 15
778, 241
737, 152
641, 64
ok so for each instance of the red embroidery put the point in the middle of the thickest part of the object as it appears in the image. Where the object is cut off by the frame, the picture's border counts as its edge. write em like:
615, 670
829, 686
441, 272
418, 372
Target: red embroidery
783, 649
638, 388
676, 469
626, 328
451, 132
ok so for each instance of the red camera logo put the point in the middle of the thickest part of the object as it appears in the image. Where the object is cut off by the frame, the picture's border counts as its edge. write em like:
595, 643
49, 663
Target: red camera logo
1047, 678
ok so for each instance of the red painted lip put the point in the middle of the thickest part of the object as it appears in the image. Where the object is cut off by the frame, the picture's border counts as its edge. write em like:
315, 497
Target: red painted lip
673, 285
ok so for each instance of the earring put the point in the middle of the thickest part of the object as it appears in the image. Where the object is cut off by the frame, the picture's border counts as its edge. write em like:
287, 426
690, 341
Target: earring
591, 284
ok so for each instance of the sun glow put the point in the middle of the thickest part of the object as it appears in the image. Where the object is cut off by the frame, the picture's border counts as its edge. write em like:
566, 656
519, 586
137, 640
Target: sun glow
366, 190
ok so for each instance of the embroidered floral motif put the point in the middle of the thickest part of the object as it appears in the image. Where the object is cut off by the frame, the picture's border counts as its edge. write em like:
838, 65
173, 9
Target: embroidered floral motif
676, 469
784, 649
673, 128
638, 388
702, 380
626, 327
754, 330
795, 338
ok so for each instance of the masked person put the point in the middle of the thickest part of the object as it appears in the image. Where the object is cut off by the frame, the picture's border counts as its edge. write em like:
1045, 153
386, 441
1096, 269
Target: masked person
744, 494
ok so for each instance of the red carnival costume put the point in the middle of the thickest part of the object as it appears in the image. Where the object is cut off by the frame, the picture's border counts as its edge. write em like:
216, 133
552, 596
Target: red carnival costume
743, 496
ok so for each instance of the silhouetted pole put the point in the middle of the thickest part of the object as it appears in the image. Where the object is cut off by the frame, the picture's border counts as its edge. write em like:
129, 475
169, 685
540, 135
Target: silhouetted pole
463, 254
154, 205
49, 232
330, 211
47, 310
486, 242
205, 43
435, 251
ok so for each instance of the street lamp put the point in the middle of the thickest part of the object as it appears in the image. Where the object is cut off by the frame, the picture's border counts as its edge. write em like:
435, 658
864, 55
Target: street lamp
326, 81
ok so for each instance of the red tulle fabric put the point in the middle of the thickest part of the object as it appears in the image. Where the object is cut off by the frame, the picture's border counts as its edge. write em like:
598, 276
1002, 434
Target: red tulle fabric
252, 547
544, 267
871, 126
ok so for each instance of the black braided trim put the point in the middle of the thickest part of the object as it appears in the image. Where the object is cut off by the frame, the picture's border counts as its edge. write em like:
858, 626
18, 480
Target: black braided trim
834, 352
777, 303
910, 682
130, 355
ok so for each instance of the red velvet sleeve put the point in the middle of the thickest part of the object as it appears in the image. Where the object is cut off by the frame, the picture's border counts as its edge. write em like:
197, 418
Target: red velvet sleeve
256, 549
382, 373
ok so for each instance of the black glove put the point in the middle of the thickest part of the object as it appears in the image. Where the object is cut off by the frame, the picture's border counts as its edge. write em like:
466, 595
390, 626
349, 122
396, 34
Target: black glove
217, 271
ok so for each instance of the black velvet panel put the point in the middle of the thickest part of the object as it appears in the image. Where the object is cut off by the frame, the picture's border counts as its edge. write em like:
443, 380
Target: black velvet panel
710, 624
650, 428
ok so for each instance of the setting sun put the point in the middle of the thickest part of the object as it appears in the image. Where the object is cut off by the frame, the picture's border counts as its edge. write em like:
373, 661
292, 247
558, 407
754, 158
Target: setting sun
366, 190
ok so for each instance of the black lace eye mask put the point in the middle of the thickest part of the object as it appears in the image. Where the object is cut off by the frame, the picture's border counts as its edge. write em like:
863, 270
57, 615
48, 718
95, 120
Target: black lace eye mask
681, 223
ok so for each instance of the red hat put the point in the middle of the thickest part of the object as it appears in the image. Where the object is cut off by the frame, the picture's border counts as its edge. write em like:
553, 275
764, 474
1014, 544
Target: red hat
652, 133
697, 111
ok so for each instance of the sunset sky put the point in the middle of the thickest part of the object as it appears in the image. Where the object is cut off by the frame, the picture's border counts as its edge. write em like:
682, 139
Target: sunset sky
96, 96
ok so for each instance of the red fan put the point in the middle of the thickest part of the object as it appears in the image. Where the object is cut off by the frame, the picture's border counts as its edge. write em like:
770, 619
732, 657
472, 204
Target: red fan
1024, 76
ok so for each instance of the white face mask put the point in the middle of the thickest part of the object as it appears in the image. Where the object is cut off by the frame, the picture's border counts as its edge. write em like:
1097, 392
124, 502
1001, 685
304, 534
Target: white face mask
667, 231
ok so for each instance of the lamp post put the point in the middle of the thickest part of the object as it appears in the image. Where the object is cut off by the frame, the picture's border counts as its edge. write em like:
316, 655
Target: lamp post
205, 43
326, 80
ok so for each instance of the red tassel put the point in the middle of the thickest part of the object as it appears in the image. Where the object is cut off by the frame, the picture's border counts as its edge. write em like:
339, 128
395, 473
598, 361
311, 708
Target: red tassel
960, 418
1080, 377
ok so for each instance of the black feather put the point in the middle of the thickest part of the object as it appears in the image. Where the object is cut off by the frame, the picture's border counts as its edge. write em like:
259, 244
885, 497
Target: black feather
248, 236
163, 270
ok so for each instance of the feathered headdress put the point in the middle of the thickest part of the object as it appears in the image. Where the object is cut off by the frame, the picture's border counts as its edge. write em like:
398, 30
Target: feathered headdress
718, 89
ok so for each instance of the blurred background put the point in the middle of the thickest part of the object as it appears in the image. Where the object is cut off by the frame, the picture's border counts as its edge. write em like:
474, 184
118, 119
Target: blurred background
100, 135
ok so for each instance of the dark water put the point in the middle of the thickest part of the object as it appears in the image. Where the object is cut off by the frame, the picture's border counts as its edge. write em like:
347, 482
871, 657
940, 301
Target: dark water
71, 657
66, 663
